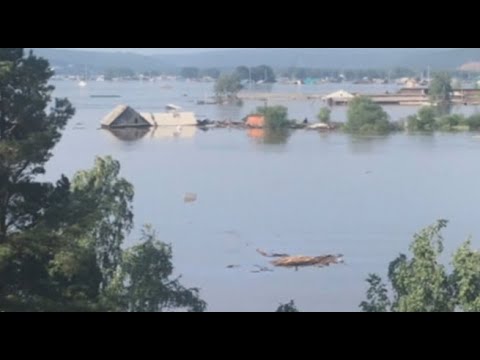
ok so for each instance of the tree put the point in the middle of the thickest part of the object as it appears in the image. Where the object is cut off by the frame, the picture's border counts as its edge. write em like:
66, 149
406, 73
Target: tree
289, 307
424, 120
142, 283
190, 73
440, 88
73, 259
28, 133
276, 117
227, 86
474, 122
61, 244
110, 214
366, 117
422, 283
324, 115
450, 122
263, 73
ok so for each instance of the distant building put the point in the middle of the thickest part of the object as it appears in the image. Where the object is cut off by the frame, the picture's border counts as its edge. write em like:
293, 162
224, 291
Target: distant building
124, 116
338, 97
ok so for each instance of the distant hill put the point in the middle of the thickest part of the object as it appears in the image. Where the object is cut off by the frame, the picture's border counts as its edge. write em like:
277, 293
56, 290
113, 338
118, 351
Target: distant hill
330, 58
279, 58
68, 61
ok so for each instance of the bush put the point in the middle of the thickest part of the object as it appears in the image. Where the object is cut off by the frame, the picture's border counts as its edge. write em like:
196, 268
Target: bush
366, 117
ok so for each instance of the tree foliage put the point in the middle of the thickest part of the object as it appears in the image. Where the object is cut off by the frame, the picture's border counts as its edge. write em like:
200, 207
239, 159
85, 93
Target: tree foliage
28, 133
288, 307
228, 86
366, 117
276, 117
424, 120
440, 89
324, 115
422, 284
61, 245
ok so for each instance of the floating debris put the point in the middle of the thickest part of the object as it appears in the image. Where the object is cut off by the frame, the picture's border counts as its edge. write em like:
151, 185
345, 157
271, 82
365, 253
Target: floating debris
233, 266
302, 261
190, 198
285, 260
261, 269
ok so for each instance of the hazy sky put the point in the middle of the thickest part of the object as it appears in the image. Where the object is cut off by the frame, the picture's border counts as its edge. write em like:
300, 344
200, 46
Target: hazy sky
149, 51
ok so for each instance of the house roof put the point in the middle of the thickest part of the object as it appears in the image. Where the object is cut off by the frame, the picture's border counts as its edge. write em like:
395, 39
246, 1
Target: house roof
171, 118
114, 114
341, 94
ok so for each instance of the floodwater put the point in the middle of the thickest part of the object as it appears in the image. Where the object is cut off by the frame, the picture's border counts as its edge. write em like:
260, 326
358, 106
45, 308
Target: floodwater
303, 194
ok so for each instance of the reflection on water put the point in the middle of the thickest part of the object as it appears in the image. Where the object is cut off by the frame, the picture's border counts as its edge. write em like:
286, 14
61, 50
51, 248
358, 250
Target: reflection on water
135, 134
270, 137
131, 134
172, 132
367, 144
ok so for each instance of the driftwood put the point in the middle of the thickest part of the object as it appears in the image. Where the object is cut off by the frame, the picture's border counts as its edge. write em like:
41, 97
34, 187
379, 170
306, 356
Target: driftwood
300, 261
285, 260
190, 198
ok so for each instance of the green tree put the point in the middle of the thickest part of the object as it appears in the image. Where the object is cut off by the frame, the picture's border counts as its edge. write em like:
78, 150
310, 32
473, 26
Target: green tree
366, 117
473, 122
440, 89
276, 117
451, 122
228, 86
110, 215
289, 307
143, 281
61, 244
28, 133
425, 120
324, 115
422, 284
263, 73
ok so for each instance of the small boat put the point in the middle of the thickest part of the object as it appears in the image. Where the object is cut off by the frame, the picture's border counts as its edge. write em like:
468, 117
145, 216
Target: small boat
82, 84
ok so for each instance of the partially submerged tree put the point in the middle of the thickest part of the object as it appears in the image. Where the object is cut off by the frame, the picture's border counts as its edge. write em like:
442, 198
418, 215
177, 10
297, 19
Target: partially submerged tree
324, 115
422, 284
440, 89
425, 120
227, 87
276, 117
366, 117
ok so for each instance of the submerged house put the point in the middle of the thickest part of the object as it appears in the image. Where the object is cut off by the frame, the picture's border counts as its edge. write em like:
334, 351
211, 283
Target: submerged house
338, 98
124, 116
171, 119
